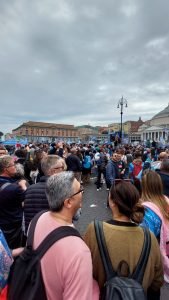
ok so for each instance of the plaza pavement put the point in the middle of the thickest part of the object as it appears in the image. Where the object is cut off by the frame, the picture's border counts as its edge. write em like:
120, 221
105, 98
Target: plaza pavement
94, 206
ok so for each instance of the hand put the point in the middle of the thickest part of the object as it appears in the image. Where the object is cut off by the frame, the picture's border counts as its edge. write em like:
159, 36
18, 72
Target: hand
17, 251
23, 184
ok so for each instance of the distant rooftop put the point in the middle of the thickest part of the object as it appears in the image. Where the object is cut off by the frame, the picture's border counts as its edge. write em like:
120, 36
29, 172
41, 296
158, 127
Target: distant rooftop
44, 124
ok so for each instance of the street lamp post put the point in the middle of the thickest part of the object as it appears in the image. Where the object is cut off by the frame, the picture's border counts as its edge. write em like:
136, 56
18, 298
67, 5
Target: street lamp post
120, 104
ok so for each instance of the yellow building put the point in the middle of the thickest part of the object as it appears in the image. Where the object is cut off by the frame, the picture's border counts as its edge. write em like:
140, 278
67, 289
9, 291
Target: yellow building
116, 127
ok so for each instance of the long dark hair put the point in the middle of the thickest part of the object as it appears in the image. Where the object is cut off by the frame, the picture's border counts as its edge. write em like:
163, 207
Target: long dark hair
127, 198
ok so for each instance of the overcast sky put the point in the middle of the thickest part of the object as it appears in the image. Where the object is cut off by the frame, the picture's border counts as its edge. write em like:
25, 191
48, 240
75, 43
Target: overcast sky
70, 61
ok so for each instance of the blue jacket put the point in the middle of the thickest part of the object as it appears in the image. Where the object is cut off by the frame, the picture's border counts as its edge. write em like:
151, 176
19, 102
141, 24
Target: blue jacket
152, 221
112, 172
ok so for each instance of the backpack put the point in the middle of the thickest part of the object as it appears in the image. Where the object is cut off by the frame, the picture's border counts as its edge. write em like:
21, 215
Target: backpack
117, 287
102, 161
137, 170
87, 162
25, 279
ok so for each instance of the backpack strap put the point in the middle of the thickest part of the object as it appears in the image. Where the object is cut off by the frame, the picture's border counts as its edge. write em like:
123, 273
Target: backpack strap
51, 238
54, 236
103, 250
141, 265
32, 228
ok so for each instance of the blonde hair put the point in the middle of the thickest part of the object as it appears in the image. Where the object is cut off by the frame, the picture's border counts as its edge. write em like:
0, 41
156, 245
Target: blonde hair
152, 191
5, 161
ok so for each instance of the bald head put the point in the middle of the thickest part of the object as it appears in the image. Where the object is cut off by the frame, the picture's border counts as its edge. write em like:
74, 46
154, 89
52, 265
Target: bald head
163, 155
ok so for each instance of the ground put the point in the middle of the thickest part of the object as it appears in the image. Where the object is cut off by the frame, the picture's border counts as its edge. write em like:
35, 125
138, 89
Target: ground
94, 206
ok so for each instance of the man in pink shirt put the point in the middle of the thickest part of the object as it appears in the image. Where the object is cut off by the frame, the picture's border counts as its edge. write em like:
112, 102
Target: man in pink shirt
67, 265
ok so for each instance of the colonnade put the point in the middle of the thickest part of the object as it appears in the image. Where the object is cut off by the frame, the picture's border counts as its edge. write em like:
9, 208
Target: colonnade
154, 135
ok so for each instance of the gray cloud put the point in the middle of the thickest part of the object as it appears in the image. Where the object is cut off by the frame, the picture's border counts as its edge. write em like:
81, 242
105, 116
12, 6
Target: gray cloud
70, 61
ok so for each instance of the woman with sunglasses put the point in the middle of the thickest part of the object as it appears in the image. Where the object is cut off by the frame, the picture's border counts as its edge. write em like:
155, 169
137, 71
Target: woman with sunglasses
124, 239
156, 218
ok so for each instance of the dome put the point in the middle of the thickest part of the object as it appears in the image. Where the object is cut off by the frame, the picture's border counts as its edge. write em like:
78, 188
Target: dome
161, 119
162, 114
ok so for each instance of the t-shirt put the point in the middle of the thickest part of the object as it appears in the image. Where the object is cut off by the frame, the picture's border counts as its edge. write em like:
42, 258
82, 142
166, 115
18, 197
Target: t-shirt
66, 266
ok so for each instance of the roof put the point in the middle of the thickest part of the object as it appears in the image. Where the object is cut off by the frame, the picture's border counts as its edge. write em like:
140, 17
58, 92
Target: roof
44, 124
163, 113
154, 128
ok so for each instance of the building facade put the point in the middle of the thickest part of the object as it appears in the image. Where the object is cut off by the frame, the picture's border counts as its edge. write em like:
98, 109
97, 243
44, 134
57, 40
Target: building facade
161, 119
158, 129
128, 126
155, 133
46, 132
88, 133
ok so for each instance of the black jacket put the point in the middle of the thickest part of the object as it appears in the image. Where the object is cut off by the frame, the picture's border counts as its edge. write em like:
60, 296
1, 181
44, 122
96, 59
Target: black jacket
35, 200
11, 211
165, 181
73, 163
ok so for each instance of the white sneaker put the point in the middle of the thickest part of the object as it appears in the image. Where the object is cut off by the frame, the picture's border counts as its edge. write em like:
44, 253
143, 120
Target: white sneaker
97, 190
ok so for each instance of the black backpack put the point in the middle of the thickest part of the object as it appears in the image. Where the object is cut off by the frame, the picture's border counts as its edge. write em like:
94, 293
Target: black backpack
117, 287
25, 278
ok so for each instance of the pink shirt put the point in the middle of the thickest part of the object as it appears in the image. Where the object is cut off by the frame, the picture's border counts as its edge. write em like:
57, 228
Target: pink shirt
66, 266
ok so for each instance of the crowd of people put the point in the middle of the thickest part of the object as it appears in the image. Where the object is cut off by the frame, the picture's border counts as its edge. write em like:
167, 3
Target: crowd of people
52, 177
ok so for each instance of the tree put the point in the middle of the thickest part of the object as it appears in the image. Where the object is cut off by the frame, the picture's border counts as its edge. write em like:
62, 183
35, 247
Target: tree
1, 134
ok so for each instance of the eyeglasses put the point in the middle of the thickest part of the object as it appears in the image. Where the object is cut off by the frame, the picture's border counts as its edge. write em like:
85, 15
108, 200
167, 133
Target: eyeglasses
57, 168
80, 191
10, 166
